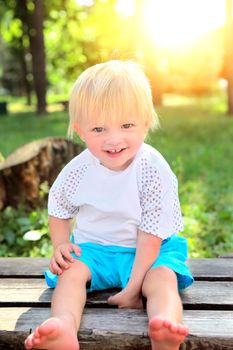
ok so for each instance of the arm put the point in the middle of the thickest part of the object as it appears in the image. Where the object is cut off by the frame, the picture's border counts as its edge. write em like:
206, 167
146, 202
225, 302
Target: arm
147, 250
62, 247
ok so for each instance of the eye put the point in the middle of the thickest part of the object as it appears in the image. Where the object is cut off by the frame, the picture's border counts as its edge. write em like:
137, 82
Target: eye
98, 129
127, 126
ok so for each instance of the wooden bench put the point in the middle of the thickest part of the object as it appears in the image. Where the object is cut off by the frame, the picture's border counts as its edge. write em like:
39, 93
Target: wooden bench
208, 309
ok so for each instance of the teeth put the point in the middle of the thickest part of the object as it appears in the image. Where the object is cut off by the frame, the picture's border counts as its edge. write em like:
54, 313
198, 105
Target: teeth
115, 150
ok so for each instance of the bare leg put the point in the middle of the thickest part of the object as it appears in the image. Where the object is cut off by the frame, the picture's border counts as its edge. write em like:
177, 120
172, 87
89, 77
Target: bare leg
60, 331
164, 309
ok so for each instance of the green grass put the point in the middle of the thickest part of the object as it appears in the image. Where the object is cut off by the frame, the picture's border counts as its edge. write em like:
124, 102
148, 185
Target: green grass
20, 128
196, 138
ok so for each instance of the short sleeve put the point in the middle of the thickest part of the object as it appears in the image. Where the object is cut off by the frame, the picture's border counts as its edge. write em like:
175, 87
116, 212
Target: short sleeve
62, 194
161, 214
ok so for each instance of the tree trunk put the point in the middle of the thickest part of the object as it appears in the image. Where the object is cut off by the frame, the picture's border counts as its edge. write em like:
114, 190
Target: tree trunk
36, 38
23, 172
25, 71
229, 55
33, 28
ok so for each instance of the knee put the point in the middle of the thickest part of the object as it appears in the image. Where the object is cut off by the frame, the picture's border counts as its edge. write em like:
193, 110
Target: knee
78, 272
162, 272
157, 277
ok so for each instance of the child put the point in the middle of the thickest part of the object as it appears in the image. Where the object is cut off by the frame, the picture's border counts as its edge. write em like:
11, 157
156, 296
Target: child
123, 195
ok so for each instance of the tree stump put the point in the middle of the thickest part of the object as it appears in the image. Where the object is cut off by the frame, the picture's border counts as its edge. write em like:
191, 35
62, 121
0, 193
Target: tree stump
23, 172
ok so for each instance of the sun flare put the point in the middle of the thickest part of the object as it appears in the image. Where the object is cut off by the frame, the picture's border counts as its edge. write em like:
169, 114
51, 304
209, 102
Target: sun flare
173, 23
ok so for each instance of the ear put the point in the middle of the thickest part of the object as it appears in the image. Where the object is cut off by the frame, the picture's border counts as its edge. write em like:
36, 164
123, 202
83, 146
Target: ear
146, 129
147, 125
76, 127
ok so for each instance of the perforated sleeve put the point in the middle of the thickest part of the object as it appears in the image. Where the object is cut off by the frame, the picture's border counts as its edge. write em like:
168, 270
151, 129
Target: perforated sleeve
161, 214
62, 194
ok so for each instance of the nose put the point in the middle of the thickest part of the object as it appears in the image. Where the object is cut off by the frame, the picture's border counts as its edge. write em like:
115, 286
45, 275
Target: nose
114, 139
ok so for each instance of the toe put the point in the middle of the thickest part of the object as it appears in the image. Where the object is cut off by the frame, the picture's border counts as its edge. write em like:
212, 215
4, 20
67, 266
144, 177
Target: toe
28, 343
167, 324
111, 300
155, 323
174, 328
48, 327
184, 330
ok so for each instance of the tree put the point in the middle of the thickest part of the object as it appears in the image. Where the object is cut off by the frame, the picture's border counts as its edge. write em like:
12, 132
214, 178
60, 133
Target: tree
229, 54
15, 68
33, 18
22, 29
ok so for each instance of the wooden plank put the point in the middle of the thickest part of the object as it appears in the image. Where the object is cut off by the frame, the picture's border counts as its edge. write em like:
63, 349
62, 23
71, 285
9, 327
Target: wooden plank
212, 269
106, 329
18, 292
226, 256
28, 292
206, 295
21, 267
202, 269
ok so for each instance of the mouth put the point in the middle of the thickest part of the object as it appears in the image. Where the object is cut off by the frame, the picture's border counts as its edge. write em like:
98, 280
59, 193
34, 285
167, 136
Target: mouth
115, 152
118, 150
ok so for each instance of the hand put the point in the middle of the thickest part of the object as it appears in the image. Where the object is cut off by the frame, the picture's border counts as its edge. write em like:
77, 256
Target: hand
62, 258
126, 299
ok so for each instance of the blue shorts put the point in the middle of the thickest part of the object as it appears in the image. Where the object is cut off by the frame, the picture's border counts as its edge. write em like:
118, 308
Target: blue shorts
111, 266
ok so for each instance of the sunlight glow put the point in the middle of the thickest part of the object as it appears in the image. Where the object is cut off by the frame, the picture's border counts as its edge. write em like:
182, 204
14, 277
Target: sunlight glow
173, 23
125, 7
85, 2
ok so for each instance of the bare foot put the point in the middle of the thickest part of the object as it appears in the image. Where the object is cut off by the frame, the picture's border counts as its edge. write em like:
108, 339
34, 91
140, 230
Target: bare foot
124, 299
166, 335
53, 334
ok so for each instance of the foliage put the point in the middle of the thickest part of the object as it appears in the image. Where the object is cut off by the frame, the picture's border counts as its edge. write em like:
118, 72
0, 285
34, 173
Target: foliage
20, 228
77, 36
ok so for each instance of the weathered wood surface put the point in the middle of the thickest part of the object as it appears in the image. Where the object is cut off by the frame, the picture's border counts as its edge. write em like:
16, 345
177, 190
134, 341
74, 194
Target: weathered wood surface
23, 267
31, 165
202, 269
208, 303
227, 256
124, 329
31, 292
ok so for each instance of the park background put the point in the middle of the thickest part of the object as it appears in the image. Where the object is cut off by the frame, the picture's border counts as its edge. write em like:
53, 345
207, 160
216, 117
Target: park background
186, 48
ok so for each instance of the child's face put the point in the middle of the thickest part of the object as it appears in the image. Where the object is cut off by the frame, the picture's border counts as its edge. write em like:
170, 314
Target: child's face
114, 144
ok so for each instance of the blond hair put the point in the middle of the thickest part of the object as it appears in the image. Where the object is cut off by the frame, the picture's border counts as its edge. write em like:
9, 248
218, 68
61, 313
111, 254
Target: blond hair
114, 90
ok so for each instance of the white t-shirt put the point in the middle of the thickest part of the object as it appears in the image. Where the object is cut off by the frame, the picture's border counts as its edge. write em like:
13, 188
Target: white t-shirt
110, 206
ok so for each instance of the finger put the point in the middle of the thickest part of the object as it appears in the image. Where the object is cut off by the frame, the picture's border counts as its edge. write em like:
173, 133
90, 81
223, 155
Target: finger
54, 267
76, 249
66, 252
60, 260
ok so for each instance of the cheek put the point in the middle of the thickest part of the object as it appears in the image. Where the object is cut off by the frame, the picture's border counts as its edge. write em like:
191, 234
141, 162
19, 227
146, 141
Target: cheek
93, 144
137, 138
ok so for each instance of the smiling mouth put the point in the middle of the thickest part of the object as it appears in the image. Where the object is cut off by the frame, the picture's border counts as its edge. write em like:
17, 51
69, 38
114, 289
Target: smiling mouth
115, 151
